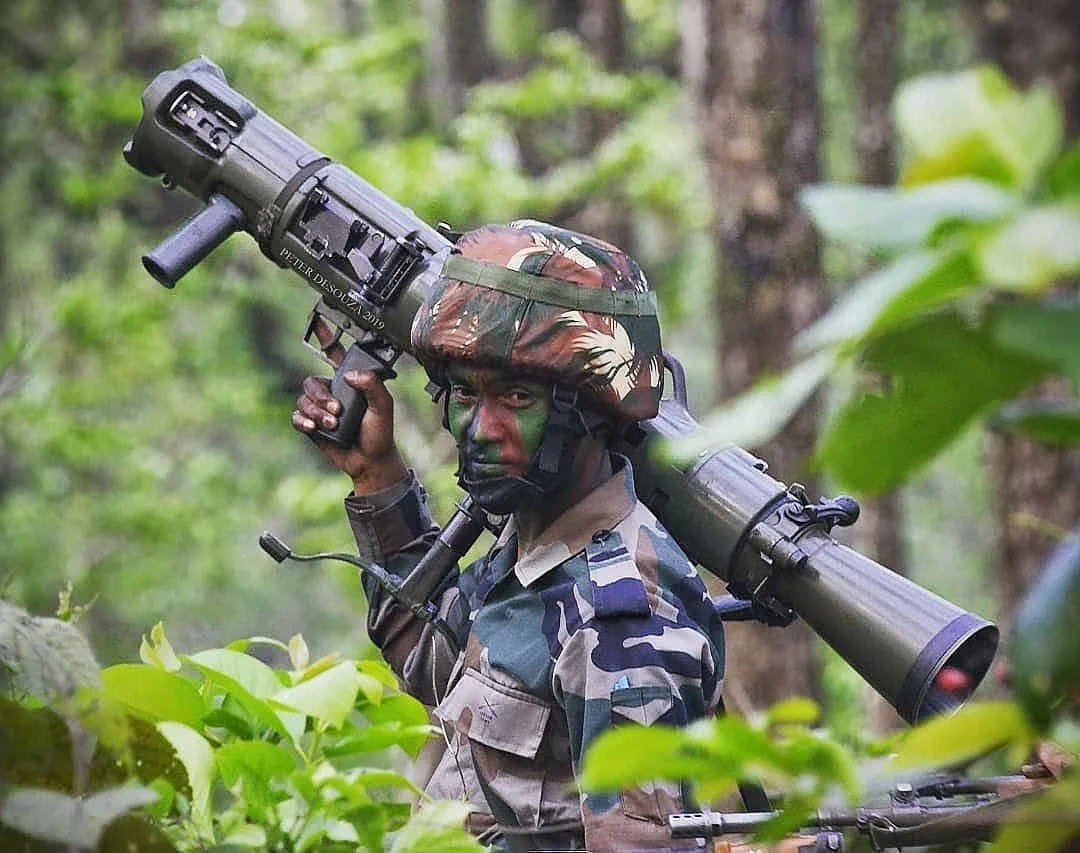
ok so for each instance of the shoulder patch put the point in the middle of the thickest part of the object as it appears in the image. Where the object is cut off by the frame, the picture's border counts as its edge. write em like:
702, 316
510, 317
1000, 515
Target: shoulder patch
617, 588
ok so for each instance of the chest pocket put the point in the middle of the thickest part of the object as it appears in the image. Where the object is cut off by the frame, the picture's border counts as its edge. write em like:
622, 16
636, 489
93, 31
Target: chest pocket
495, 714
617, 588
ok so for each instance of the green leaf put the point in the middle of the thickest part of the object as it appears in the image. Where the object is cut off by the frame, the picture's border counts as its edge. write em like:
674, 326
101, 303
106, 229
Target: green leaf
197, 756
255, 765
755, 416
158, 651
921, 385
398, 708
372, 738
250, 673
78, 821
797, 710
253, 757
1045, 646
903, 290
298, 652
1063, 179
46, 657
253, 672
629, 755
380, 671
156, 694
437, 826
1039, 248
887, 219
1052, 422
329, 696
1040, 330
1045, 821
975, 730
976, 123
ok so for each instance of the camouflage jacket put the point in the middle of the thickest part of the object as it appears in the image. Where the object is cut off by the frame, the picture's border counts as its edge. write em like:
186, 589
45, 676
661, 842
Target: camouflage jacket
604, 621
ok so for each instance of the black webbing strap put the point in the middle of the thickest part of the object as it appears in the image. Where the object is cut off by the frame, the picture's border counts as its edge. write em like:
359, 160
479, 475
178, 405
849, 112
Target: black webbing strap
270, 223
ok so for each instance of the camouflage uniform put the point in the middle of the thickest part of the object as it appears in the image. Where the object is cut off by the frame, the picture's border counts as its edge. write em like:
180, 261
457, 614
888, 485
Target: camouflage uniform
603, 620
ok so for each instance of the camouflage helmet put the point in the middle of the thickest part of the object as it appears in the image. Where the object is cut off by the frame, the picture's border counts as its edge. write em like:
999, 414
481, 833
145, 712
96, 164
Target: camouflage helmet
553, 304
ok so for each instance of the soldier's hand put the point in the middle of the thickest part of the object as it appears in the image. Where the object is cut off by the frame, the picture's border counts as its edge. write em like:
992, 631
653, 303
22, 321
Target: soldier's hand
373, 462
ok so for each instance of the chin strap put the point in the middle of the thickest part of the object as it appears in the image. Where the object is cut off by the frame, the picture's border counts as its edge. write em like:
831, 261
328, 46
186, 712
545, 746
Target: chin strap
567, 424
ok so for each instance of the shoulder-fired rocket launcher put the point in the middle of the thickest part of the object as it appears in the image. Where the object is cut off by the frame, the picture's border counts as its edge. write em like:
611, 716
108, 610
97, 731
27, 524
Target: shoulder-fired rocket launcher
373, 261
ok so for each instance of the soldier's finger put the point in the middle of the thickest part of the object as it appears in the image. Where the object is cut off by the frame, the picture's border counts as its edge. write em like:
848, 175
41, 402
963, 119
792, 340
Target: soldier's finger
315, 412
329, 340
371, 385
317, 390
302, 423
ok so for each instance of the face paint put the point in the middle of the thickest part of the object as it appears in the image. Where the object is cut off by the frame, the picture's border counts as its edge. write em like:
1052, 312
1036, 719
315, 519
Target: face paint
498, 422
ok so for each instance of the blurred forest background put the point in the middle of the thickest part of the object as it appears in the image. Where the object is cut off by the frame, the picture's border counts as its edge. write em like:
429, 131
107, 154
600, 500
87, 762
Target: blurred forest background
144, 434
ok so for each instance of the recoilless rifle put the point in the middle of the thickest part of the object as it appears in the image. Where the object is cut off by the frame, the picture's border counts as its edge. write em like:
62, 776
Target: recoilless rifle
373, 262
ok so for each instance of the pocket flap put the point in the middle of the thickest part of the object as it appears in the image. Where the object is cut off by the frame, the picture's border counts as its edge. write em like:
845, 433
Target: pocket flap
643, 705
495, 715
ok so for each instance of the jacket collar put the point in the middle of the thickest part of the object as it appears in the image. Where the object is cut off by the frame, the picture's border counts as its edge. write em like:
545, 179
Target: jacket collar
602, 509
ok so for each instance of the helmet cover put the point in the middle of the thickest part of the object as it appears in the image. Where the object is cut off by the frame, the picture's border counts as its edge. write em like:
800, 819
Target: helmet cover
552, 304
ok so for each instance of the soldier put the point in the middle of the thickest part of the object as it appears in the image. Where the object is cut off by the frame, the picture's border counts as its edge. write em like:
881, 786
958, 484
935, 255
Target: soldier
585, 613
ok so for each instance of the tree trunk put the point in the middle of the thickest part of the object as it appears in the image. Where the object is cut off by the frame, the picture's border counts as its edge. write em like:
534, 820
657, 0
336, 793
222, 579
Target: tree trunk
602, 26
1037, 487
458, 53
877, 533
756, 100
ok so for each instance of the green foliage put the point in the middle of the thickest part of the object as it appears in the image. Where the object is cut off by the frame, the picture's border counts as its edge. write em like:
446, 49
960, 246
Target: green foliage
779, 748
144, 438
962, 317
1045, 649
211, 750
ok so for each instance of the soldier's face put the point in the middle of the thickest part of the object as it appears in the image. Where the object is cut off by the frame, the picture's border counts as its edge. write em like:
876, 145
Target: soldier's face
496, 418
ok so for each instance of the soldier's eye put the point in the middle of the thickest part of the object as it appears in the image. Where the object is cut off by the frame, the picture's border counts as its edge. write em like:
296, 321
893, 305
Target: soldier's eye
520, 398
463, 395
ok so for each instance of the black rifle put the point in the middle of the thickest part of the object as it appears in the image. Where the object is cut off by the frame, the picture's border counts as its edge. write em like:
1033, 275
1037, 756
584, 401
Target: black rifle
941, 810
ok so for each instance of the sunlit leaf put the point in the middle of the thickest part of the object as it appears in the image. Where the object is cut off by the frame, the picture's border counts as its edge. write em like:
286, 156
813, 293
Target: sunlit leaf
373, 738
298, 652
976, 123
154, 693
197, 756
921, 386
629, 755
250, 673
797, 710
755, 416
158, 651
1039, 248
437, 826
329, 696
971, 732
912, 285
889, 219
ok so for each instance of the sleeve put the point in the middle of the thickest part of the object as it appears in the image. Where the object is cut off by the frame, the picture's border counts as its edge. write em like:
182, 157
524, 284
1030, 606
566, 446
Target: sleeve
394, 529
